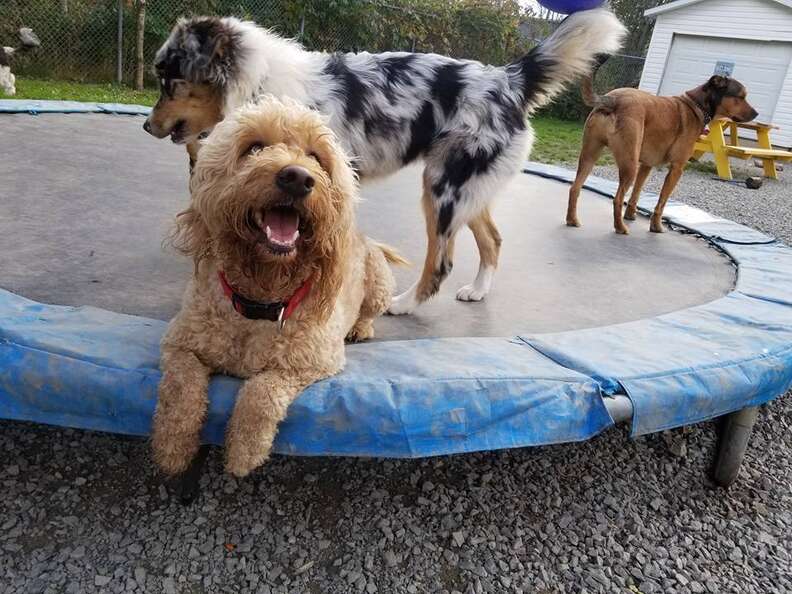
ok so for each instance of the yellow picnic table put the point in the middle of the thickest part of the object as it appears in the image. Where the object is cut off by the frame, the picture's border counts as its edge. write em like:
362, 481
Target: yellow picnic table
715, 142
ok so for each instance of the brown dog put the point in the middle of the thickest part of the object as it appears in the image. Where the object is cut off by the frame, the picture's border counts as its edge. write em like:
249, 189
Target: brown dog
644, 131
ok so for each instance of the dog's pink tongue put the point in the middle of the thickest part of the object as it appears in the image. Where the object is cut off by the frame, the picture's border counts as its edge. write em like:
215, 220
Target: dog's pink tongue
282, 224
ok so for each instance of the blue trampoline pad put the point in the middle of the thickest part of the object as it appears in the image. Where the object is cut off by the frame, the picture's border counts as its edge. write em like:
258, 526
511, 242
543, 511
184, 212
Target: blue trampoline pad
575, 315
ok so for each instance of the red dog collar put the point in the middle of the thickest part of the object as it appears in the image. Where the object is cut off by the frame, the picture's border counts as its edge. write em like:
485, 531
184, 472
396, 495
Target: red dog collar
276, 311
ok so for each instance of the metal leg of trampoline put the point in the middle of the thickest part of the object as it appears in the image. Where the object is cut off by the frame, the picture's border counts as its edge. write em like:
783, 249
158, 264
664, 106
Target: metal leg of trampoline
733, 435
190, 479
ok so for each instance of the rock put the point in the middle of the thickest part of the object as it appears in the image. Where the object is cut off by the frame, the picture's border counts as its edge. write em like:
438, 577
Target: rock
390, 558
168, 585
140, 576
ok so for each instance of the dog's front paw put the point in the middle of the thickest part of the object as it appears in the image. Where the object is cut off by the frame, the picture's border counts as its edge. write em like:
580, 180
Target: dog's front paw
402, 304
471, 293
243, 456
173, 452
656, 226
361, 332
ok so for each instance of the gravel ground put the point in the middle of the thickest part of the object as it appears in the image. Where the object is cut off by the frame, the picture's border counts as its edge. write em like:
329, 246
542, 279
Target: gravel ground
85, 512
768, 209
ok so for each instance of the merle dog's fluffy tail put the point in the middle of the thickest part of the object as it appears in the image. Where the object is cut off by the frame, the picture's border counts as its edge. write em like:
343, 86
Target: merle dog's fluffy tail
567, 54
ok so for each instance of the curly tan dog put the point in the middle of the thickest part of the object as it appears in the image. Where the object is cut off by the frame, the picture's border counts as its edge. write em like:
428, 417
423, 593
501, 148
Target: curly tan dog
282, 276
645, 131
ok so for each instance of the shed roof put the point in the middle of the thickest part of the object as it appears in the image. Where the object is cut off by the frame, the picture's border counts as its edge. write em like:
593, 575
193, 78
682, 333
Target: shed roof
683, 3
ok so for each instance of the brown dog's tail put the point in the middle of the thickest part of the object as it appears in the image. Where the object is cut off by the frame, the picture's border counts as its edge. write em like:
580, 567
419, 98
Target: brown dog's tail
590, 96
391, 255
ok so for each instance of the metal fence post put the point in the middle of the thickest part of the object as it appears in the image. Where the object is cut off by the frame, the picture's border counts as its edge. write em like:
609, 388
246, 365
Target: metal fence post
120, 56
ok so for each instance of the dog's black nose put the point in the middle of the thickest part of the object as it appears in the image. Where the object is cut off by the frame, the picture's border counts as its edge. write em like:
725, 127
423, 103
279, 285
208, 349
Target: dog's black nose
147, 126
295, 181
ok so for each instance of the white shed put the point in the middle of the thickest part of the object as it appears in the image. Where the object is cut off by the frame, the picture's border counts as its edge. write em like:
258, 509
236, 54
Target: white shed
750, 40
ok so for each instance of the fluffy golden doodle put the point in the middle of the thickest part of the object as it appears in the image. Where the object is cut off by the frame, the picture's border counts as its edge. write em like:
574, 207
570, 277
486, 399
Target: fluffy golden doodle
282, 277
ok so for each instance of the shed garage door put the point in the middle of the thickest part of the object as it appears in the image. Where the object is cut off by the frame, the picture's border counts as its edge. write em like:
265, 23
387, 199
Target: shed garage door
760, 65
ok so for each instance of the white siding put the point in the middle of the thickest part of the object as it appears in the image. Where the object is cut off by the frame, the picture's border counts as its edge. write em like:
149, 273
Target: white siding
745, 19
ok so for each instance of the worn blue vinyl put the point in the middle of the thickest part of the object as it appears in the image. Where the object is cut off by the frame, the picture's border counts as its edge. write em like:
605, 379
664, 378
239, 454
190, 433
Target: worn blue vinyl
93, 369
698, 363
36, 106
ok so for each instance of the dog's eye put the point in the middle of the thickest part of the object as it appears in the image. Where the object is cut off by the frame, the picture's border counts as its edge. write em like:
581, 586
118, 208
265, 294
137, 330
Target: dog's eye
253, 148
316, 158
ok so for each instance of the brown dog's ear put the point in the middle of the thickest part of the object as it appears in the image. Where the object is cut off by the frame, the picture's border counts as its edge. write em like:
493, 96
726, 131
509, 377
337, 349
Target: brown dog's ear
334, 245
333, 250
718, 82
190, 235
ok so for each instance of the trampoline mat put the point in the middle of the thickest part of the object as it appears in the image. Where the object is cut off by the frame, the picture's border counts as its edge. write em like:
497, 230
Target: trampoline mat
86, 200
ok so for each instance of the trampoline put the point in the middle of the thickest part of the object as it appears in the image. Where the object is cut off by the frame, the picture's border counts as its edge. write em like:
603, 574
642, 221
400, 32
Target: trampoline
583, 328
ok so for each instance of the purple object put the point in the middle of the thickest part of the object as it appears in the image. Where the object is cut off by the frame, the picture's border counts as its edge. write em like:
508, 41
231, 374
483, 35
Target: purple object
570, 6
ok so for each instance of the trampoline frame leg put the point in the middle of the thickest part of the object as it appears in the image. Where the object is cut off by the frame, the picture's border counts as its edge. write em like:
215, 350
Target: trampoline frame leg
189, 481
734, 432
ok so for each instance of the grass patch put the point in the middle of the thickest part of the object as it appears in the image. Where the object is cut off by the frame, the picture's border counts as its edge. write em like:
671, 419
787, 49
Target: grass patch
558, 141
34, 88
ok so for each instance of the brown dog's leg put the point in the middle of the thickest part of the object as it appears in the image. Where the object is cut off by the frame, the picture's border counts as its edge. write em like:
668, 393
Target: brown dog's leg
181, 410
640, 180
378, 292
488, 240
626, 178
626, 152
589, 153
674, 173
261, 404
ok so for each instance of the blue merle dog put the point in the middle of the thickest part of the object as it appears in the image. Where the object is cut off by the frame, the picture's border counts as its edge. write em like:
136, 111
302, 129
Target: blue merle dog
465, 120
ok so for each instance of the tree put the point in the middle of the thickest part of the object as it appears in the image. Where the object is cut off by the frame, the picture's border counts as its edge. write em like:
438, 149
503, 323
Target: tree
140, 66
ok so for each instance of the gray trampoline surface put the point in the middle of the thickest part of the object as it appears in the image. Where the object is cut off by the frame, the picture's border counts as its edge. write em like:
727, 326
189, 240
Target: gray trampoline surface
86, 200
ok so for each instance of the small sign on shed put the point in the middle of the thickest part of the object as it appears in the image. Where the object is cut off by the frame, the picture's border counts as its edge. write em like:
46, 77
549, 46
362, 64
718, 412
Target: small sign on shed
723, 68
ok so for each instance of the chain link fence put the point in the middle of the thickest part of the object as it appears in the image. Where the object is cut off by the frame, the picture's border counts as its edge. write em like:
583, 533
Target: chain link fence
101, 40
113, 40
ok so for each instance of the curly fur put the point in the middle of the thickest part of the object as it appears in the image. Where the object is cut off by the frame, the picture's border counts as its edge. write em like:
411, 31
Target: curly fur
351, 285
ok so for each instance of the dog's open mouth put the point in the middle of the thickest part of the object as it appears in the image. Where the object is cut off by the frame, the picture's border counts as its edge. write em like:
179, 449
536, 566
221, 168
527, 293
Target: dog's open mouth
177, 132
279, 227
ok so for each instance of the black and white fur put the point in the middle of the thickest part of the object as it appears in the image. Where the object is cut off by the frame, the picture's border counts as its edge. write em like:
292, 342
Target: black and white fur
465, 120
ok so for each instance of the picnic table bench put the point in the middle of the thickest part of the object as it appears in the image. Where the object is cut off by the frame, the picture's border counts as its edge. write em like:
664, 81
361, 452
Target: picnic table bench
715, 142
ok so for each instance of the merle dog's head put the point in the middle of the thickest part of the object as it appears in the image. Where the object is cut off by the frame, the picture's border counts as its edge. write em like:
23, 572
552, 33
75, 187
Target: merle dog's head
724, 97
194, 66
